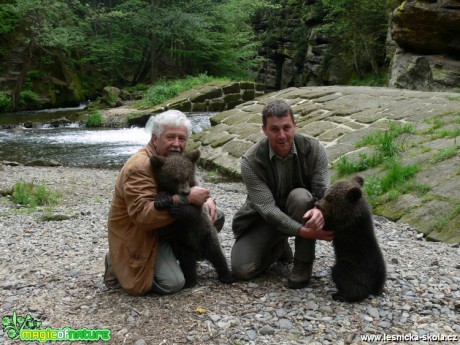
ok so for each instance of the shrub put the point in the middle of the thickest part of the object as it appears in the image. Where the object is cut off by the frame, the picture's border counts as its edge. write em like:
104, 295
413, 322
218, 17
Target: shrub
29, 99
5, 101
95, 119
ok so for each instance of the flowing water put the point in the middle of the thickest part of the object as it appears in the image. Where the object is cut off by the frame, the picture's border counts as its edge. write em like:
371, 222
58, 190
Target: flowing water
75, 145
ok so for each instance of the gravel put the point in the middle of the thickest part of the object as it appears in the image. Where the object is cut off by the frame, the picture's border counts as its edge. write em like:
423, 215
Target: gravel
52, 270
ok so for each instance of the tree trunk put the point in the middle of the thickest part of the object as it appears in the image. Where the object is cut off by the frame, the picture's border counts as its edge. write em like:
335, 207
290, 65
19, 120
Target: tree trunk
137, 75
27, 62
153, 59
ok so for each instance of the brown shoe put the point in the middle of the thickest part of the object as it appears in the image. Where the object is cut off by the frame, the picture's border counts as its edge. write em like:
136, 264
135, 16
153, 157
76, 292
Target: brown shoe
300, 275
109, 278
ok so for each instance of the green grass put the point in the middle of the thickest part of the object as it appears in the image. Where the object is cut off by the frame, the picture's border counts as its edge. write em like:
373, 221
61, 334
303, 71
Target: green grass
32, 195
396, 180
437, 122
94, 119
444, 154
385, 149
443, 221
168, 89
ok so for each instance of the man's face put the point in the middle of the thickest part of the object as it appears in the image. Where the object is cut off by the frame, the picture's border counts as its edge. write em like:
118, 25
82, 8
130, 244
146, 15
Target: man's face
171, 141
280, 132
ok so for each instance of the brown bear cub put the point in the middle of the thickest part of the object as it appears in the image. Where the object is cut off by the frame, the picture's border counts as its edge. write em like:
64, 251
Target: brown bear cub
193, 236
359, 269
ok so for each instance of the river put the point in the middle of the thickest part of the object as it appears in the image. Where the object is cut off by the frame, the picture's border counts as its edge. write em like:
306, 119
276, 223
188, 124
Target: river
78, 146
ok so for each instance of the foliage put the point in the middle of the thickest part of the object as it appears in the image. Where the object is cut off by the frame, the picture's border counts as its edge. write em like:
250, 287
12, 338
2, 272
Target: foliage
5, 101
167, 89
32, 195
8, 17
229, 47
370, 79
29, 99
94, 119
50, 23
121, 42
200, 36
358, 30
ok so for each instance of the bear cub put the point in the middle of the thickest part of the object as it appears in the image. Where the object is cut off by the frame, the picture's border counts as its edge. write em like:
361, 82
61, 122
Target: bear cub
193, 236
359, 269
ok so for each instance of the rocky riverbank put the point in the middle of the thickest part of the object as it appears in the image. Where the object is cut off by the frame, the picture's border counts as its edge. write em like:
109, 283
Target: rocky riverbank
53, 270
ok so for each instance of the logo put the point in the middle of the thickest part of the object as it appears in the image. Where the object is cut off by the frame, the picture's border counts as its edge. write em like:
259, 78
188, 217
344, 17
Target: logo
28, 329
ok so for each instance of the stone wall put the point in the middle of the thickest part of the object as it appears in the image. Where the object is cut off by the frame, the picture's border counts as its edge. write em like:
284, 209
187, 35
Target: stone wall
213, 97
217, 99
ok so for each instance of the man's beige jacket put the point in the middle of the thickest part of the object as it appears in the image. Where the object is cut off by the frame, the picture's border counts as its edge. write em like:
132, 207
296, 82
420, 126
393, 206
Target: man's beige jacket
132, 224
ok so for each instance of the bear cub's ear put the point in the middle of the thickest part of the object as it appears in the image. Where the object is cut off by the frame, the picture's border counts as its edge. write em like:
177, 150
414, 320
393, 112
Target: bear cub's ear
157, 161
359, 180
354, 194
193, 156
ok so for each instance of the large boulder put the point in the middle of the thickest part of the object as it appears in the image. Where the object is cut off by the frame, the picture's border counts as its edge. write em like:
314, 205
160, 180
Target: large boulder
111, 96
428, 26
427, 33
424, 72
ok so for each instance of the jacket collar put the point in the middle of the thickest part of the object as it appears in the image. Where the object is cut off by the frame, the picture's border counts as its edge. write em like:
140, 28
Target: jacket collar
150, 148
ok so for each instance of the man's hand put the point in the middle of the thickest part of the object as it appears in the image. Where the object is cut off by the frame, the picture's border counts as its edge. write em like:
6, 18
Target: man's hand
314, 219
317, 234
313, 228
198, 195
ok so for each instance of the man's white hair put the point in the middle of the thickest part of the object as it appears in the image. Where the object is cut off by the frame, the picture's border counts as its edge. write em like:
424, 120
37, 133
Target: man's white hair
170, 118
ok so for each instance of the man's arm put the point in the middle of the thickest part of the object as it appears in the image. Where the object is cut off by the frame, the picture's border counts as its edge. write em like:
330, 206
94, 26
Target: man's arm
313, 228
139, 193
320, 177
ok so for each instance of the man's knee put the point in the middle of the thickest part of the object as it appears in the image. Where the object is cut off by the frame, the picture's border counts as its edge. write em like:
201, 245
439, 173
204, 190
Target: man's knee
244, 271
168, 276
169, 284
298, 202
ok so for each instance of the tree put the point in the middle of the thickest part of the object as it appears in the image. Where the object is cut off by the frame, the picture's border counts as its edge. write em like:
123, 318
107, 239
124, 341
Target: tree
358, 30
46, 26
194, 36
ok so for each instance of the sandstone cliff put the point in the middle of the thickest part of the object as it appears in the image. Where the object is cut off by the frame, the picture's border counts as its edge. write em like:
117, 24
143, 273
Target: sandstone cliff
427, 34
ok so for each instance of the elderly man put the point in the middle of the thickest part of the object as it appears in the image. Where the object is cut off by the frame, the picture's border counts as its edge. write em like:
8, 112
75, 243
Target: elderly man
285, 174
139, 259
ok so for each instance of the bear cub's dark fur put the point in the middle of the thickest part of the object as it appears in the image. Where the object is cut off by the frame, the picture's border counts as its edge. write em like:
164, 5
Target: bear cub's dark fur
194, 236
359, 269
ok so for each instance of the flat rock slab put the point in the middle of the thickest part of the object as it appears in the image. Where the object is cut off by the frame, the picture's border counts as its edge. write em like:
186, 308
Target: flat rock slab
340, 116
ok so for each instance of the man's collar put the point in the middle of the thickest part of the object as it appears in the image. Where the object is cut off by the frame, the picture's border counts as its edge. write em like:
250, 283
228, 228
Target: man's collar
272, 152
150, 148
